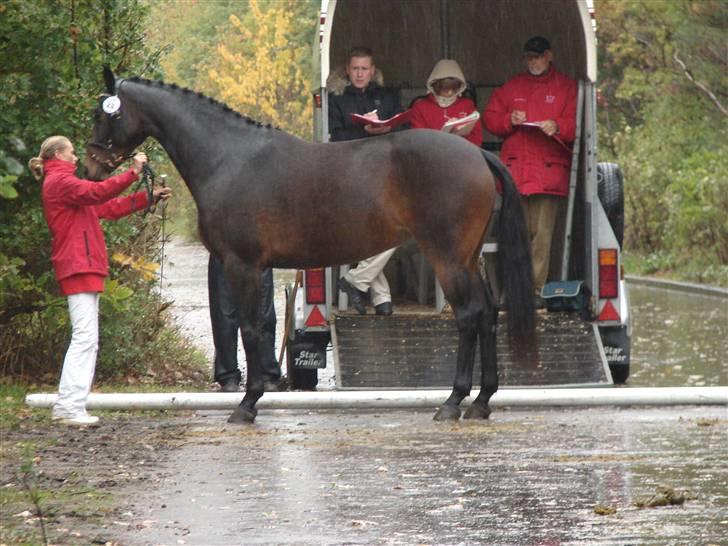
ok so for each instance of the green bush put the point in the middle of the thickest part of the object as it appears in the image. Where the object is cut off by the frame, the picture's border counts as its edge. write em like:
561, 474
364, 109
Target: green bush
55, 93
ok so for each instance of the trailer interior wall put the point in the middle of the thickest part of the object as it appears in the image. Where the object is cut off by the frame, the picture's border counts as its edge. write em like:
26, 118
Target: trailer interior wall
485, 36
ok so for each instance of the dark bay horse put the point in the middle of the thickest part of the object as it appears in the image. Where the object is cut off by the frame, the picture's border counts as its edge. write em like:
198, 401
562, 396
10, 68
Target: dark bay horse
269, 199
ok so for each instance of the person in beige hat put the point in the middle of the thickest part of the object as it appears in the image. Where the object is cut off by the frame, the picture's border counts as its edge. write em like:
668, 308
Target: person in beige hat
445, 103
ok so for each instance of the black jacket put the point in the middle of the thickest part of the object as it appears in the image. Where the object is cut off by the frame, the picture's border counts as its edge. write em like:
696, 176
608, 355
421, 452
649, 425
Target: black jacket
360, 101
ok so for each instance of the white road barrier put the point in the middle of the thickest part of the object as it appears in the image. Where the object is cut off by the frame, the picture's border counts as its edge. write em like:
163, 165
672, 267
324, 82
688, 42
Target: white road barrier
605, 396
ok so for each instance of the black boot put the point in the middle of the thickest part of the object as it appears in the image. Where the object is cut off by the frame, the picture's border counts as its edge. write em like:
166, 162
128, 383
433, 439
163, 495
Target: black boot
384, 308
355, 297
230, 385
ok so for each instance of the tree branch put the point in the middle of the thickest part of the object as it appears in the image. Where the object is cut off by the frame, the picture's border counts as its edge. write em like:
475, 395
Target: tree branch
700, 85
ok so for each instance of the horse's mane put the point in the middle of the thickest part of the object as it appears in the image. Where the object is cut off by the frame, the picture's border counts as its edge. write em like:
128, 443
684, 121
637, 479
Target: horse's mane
184, 90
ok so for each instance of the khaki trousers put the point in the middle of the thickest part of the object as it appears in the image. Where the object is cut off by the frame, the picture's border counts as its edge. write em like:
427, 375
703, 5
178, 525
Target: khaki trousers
541, 212
368, 274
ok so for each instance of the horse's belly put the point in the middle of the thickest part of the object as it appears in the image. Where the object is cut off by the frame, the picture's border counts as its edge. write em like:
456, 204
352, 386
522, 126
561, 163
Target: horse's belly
325, 250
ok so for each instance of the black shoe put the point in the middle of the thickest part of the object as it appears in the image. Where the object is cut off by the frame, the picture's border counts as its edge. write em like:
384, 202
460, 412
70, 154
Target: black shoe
231, 385
355, 298
384, 308
275, 385
539, 302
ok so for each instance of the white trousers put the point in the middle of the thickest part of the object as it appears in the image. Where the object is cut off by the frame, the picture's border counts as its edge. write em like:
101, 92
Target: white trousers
368, 274
80, 361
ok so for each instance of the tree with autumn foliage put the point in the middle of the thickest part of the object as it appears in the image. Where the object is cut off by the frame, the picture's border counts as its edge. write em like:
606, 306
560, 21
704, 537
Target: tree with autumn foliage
262, 64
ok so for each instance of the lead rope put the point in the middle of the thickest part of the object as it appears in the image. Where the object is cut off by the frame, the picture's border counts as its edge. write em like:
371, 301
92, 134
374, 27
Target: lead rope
148, 179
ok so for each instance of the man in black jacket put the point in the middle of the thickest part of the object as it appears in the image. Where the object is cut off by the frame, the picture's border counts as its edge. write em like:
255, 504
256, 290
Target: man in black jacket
360, 91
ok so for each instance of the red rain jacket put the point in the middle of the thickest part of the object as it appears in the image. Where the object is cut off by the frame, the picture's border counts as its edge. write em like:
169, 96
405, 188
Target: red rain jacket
539, 164
72, 209
427, 114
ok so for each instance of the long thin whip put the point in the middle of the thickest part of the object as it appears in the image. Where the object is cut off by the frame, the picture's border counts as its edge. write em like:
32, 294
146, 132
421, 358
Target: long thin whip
164, 240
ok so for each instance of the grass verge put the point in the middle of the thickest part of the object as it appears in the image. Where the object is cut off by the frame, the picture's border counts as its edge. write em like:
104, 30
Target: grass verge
666, 266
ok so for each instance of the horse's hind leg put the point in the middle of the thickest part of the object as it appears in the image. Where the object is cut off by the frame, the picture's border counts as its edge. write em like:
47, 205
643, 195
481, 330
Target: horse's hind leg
479, 409
463, 292
244, 282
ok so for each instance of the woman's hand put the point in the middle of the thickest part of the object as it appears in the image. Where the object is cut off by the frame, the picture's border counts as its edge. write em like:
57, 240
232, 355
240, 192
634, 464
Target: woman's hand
140, 160
162, 194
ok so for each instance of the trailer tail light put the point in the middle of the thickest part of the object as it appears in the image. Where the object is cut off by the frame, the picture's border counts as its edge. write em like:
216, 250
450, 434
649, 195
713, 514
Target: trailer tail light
315, 286
608, 273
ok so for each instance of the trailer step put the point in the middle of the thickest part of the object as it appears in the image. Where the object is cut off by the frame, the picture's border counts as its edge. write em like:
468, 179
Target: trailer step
419, 351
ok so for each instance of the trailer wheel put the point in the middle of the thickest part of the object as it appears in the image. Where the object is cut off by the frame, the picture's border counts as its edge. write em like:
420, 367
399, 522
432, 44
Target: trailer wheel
610, 188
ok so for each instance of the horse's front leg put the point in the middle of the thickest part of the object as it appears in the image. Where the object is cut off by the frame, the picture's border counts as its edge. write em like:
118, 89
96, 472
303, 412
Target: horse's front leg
244, 282
480, 409
467, 306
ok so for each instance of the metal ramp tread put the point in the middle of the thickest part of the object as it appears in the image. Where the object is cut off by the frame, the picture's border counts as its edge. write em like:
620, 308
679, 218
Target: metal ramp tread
418, 351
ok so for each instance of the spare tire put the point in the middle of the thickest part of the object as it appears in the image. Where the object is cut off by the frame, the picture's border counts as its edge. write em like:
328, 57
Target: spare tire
610, 188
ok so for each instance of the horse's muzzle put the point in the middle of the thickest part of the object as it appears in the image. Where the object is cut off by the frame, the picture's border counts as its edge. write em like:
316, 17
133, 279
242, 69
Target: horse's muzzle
95, 170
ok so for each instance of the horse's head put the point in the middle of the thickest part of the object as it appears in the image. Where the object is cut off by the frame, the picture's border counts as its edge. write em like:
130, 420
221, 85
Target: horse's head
117, 130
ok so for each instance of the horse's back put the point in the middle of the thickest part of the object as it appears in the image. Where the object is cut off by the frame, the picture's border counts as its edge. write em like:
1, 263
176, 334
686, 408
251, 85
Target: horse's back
414, 162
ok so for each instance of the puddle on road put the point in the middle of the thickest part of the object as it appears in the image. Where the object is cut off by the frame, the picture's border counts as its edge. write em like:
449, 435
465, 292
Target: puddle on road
678, 339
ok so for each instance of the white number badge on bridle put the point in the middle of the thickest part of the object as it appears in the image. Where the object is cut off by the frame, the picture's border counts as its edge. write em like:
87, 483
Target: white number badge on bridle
111, 105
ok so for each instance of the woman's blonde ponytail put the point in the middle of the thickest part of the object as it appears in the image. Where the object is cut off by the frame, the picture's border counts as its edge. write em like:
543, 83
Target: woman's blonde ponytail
48, 150
36, 167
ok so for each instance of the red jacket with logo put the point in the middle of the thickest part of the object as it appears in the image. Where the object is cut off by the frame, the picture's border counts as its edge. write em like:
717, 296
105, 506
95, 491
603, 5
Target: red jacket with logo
72, 209
427, 114
539, 164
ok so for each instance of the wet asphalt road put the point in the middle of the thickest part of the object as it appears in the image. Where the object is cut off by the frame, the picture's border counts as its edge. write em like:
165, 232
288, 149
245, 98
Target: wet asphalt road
526, 477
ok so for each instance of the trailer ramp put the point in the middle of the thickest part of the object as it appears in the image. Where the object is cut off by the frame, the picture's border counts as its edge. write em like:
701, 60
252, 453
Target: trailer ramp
418, 351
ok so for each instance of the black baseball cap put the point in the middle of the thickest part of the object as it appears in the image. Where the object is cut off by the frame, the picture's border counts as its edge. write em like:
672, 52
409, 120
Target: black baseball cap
537, 44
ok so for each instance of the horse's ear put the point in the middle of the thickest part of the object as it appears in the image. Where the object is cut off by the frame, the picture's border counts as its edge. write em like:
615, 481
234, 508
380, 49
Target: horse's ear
110, 80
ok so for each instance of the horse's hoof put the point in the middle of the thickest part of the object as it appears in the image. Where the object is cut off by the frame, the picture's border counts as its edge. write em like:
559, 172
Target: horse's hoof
447, 412
242, 415
477, 411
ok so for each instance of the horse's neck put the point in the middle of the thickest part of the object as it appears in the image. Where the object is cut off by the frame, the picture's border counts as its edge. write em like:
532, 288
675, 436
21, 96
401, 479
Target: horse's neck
194, 145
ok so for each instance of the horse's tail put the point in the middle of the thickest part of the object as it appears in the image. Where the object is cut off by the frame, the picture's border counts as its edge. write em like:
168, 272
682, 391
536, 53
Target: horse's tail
513, 264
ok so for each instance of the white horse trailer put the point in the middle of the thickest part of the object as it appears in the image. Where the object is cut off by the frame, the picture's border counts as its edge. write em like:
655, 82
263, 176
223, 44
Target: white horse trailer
486, 37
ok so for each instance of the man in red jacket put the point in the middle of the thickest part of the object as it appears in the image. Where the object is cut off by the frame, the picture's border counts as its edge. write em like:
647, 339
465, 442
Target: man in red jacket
535, 114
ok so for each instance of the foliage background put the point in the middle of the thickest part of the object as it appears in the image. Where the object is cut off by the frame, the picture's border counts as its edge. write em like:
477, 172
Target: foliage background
663, 70
256, 56
663, 75
51, 57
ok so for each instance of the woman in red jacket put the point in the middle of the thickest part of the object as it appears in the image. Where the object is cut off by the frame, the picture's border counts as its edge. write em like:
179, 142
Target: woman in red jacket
445, 103
72, 209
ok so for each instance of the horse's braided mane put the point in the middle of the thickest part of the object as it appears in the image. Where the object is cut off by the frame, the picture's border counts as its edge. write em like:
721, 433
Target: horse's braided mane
199, 95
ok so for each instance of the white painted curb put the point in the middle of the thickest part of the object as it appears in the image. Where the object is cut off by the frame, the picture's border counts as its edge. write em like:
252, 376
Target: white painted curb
614, 396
